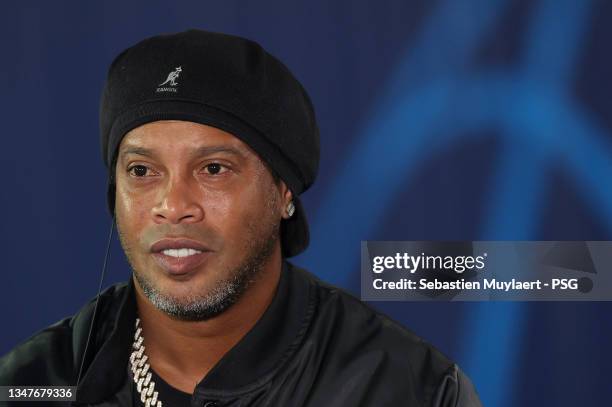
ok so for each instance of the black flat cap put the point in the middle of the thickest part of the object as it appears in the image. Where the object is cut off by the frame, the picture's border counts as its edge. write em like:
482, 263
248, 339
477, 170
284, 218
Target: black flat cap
219, 80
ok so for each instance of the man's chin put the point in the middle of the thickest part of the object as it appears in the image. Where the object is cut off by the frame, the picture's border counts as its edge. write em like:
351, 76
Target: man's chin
189, 301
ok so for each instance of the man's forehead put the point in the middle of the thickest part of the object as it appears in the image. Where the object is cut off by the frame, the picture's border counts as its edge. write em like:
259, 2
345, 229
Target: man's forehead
194, 137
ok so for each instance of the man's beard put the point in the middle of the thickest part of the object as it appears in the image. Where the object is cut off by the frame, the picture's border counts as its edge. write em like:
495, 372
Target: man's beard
225, 293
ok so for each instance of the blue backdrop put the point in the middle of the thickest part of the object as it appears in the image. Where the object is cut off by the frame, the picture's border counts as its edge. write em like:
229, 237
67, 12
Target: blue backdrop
448, 119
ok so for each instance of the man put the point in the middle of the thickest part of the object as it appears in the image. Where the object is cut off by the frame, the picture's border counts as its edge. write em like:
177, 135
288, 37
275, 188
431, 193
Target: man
209, 141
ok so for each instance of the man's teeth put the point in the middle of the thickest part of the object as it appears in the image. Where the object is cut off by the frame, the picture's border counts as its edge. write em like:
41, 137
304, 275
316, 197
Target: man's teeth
180, 252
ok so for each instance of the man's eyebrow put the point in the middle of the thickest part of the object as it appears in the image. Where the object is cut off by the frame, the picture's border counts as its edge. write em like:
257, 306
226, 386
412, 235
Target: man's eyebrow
207, 150
138, 151
198, 152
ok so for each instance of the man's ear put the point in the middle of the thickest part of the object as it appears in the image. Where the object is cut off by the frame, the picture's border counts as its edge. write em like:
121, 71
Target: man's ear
287, 196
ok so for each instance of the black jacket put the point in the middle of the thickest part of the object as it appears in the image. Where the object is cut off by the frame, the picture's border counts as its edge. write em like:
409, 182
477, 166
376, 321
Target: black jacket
315, 345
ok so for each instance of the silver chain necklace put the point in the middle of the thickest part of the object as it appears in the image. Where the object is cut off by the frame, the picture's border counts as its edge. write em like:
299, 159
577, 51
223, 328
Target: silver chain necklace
140, 369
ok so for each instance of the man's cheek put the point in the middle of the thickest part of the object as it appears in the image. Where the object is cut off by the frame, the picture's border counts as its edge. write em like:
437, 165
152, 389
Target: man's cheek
217, 203
128, 202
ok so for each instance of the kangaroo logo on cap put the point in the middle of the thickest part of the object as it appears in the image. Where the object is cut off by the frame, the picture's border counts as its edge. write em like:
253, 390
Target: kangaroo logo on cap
172, 77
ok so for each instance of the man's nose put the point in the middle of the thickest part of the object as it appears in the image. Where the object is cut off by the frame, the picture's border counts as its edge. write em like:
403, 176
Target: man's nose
178, 202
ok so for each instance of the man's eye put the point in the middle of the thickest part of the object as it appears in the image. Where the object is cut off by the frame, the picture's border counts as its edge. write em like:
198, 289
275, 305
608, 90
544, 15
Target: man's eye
215, 168
138, 170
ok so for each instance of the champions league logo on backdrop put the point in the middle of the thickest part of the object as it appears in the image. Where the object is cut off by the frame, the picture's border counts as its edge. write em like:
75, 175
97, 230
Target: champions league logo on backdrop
171, 80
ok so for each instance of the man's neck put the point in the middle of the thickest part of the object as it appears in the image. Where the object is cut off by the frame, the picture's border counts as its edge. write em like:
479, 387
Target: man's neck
183, 352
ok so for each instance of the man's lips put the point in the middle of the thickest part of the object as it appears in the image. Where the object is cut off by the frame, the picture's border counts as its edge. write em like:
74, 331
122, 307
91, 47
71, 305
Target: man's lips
179, 256
180, 265
179, 243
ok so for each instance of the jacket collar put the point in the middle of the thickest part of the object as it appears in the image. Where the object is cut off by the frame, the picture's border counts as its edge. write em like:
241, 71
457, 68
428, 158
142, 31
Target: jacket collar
257, 356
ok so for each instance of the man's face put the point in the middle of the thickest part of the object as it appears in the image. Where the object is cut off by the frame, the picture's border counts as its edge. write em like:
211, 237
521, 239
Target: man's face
182, 180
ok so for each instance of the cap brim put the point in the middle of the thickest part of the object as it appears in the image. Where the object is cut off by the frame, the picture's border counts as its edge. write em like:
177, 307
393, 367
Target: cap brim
170, 109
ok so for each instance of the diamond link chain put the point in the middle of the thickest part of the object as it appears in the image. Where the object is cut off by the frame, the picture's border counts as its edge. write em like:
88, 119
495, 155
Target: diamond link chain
140, 369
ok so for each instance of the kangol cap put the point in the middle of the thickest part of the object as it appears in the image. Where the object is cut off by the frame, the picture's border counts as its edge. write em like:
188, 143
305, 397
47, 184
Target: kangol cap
224, 81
